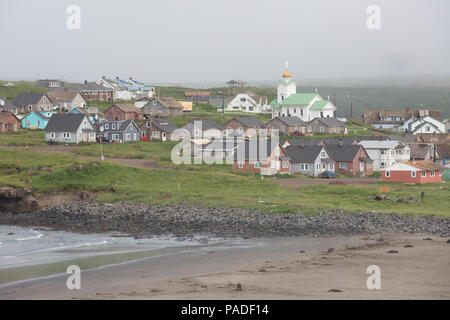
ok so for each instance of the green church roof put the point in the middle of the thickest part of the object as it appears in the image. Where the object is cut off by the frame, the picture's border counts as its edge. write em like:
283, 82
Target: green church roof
319, 105
298, 99
274, 103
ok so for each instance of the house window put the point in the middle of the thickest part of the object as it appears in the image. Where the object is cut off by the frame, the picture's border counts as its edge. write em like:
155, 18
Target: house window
342, 165
154, 102
388, 174
413, 174
242, 99
240, 164
257, 164
322, 154
53, 135
424, 173
383, 151
155, 134
432, 173
304, 167
322, 129
106, 126
277, 152
383, 164
127, 136
440, 173
301, 112
324, 166
113, 126
285, 164
331, 166
282, 128
66, 134
115, 136
318, 166
134, 136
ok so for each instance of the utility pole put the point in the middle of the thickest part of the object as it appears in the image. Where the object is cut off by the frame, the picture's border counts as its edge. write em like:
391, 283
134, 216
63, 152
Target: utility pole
196, 101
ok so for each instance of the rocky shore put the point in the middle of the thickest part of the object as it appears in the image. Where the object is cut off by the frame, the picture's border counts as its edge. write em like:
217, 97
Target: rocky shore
143, 220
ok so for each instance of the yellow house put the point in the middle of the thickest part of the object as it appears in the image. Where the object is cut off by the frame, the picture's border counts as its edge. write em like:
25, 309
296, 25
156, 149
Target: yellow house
187, 105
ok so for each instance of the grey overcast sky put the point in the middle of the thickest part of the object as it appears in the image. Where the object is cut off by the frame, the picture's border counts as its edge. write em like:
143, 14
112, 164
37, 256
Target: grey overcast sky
180, 41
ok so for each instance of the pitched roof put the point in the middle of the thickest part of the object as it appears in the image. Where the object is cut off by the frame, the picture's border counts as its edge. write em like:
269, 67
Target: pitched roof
335, 141
298, 99
195, 93
444, 150
424, 165
5, 115
342, 153
330, 122
39, 114
27, 98
319, 105
274, 103
249, 122
64, 122
291, 121
169, 102
305, 142
89, 86
126, 107
207, 124
163, 125
419, 151
374, 144
306, 154
64, 95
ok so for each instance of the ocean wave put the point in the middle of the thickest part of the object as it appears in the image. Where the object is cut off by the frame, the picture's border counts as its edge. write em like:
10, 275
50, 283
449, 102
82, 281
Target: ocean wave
37, 236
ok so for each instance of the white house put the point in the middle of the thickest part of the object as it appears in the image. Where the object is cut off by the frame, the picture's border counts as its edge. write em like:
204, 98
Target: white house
426, 124
306, 106
120, 91
248, 102
385, 153
69, 128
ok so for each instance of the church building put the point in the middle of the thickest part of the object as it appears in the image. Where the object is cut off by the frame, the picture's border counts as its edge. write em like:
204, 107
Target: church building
306, 106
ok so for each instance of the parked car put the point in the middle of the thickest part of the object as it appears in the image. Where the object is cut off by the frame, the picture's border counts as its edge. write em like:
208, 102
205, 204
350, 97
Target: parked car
102, 139
328, 174
297, 134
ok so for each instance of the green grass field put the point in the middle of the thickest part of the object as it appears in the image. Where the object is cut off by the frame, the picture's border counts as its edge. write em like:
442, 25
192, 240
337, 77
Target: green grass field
204, 185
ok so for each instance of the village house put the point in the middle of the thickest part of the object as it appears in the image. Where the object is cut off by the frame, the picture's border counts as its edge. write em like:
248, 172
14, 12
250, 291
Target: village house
426, 124
221, 150
245, 126
50, 83
444, 153
67, 100
350, 159
396, 120
9, 122
306, 106
91, 91
261, 156
309, 160
248, 101
27, 102
36, 120
286, 125
121, 130
204, 128
91, 112
385, 153
123, 112
160, 129
413, 172
6, 106
327, 126
121, 92
422, 151
161, 107
69, 128
198, 96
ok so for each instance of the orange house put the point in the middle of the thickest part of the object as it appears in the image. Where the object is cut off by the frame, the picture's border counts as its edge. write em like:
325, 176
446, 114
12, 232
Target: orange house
413, 172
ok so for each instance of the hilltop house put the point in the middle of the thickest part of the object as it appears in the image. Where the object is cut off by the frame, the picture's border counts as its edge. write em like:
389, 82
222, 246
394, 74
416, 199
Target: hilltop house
69, 128
261, 156
67, 100
36, 120
327, 126
159, 129
161, 106
309, 160
91, 91
351, 159
123, 112
6, 106
306, 106
9, 122
248, 101
49, 83
245, 126
27, 102
396, 120
126, 89
198, 96
286, 125
121, 130
413, 172
385, 153
426, 124
204, 129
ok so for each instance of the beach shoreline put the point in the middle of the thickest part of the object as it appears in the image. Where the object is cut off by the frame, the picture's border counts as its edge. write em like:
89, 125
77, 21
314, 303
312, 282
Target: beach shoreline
413, 266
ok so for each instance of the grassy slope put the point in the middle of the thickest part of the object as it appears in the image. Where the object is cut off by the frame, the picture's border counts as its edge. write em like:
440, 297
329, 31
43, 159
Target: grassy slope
204, 185
19, 86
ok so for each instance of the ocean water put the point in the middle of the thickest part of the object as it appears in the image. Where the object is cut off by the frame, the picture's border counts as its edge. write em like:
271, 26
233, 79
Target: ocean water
28, 253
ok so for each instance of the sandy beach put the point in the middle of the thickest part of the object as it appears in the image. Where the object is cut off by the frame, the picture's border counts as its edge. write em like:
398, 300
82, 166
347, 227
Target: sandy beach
276, 268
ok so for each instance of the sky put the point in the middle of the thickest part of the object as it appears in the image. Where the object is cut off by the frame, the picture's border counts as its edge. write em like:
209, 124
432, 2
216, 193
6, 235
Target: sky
182, 41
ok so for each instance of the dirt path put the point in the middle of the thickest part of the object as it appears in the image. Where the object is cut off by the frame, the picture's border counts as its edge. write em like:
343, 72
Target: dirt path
300, 182
137, 163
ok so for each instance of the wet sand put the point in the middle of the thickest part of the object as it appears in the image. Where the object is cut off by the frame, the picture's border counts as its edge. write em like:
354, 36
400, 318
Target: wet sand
278, 268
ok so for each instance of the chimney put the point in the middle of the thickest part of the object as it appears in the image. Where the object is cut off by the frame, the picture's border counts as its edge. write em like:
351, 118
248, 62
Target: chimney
341, 142
85, 81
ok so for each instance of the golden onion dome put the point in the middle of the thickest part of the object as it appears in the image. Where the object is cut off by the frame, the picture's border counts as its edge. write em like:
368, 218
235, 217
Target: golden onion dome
286, 74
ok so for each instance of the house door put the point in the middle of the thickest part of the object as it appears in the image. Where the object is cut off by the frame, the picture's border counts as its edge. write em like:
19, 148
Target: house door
163, 136
361, 166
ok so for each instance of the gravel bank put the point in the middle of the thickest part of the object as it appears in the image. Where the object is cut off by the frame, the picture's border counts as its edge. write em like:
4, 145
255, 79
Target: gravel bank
141, 220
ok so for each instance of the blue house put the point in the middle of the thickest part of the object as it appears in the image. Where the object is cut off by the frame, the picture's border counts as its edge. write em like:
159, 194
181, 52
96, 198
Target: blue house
90, 112
36, 120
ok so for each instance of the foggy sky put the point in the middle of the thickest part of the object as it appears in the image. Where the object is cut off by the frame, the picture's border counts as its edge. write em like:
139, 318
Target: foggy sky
177, 41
